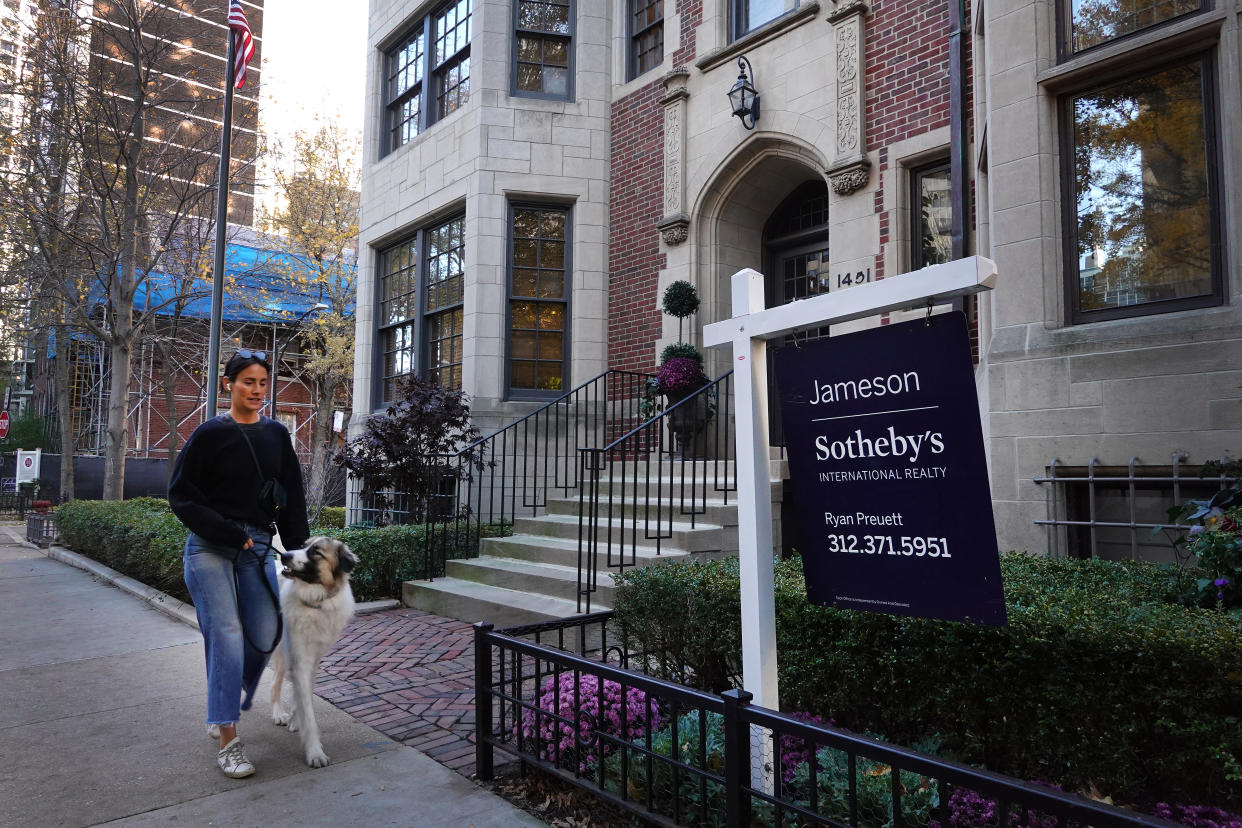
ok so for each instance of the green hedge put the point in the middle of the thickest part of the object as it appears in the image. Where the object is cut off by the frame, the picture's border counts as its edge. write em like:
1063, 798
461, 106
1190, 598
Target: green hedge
1098, 679
143, 539
332, 517
389, 555
140, 538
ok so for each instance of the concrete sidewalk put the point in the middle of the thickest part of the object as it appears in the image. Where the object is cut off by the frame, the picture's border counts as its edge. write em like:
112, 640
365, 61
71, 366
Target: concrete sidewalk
101, 722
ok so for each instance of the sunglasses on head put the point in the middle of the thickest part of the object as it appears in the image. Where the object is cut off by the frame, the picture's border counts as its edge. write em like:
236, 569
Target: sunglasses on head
246, 353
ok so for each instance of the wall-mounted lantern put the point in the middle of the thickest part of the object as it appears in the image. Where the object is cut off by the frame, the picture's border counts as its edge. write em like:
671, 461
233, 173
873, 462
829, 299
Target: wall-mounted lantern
743, 97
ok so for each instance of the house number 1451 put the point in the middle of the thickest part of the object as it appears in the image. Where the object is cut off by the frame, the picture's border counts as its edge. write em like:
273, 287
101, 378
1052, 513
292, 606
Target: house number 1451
848, 279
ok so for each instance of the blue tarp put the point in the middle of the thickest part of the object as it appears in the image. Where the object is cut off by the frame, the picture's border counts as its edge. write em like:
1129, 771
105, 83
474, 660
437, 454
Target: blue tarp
262, 287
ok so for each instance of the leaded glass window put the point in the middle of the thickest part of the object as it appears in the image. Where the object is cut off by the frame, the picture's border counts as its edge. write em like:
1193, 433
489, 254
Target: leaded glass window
398, 312
444, 286
646, 35
538, 299
411, 102
931, 209
543, 50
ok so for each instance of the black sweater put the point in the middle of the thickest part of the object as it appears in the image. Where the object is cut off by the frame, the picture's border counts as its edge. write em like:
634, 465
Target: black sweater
215, 486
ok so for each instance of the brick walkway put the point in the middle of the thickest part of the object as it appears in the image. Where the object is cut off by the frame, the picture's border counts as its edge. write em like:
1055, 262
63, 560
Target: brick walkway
410, 675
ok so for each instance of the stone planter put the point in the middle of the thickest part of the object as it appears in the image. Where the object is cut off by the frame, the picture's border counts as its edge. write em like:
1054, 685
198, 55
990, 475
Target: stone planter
687, 424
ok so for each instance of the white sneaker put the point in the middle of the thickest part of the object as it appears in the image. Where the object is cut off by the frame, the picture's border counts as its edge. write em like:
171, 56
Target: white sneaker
232, 760
213, 731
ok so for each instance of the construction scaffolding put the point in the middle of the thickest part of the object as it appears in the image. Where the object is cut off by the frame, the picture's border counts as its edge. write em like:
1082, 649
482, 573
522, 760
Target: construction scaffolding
167, 389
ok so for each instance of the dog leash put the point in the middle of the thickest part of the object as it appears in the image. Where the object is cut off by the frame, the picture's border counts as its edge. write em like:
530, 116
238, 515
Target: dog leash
280, 619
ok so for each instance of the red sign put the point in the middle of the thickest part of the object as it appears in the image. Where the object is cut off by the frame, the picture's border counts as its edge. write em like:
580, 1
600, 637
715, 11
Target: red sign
4, 424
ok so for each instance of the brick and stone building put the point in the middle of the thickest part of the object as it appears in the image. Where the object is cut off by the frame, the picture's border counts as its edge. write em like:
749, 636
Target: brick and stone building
537, 171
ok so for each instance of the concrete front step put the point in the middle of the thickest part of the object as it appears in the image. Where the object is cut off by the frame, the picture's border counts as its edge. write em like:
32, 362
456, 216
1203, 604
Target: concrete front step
700, 537
471, 602
564, 551
712, 511
663, 487
531, 577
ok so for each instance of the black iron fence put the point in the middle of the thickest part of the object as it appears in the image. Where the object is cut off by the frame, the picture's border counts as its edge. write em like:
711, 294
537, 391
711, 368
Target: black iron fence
667, 470
569, 697
14, 505
513, 471
41, 529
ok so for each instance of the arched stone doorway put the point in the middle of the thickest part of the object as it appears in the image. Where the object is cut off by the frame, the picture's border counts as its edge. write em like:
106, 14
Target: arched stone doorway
766, 209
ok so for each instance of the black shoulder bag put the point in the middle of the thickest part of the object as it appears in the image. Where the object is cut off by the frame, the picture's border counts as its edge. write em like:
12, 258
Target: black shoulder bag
272, 497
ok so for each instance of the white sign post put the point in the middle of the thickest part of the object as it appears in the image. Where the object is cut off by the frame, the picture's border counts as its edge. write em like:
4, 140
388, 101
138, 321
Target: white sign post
28, 463
748, 332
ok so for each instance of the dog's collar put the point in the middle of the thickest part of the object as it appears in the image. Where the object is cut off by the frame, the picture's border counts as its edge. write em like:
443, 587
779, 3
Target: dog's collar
328, 596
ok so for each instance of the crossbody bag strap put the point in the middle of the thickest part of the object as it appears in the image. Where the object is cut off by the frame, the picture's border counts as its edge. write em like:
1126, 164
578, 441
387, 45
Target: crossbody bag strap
250, 445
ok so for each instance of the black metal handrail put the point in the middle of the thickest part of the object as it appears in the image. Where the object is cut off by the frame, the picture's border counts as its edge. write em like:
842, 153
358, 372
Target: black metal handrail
664, 468
480, 489
678, 756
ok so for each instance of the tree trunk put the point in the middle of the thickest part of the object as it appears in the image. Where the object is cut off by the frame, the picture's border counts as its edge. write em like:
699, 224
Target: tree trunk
170, 400
64, 413
118, 420
122, 310
316, 490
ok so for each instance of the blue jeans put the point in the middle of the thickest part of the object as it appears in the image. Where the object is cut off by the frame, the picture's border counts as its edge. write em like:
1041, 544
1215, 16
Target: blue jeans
235, 614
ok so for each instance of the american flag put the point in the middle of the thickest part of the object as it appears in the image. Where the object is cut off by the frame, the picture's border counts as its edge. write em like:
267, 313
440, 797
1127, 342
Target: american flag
243, 43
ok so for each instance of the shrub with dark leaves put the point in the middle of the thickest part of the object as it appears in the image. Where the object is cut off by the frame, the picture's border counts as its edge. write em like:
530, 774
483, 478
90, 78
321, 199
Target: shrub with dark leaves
413, 446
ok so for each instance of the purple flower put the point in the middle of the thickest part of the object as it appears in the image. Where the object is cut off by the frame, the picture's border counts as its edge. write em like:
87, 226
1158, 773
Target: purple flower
552, 726
1198, 816
1220, 582
680, 373
794, 750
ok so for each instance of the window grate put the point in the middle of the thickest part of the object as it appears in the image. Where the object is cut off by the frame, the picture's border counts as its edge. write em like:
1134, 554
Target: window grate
1097, 511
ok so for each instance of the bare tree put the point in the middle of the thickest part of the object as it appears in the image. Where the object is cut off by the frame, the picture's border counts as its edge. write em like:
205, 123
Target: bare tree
123, 133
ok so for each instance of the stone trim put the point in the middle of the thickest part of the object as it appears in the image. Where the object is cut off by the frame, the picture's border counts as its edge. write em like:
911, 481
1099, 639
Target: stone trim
845, 8
849, 178
674, 101
674, 229
850, 169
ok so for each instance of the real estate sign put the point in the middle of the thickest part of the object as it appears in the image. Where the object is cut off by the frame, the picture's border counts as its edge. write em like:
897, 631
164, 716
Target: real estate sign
886, 453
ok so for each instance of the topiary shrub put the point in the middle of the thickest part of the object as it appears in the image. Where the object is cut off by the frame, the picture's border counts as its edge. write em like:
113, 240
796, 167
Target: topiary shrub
1098, 679
680, 349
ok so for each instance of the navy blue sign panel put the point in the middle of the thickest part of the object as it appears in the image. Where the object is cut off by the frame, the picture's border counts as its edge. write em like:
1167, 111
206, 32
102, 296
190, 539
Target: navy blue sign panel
891, 485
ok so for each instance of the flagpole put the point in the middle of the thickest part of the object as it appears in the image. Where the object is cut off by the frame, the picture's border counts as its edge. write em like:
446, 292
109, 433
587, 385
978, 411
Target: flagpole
222, 218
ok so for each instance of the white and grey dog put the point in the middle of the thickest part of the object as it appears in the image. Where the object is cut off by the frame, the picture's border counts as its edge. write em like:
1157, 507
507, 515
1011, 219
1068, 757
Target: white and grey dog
317, 603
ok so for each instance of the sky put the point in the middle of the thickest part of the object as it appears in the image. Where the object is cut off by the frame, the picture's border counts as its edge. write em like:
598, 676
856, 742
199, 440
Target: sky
314, 65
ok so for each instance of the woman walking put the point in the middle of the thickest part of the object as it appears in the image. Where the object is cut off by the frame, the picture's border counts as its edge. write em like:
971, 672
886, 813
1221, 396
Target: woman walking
235, 479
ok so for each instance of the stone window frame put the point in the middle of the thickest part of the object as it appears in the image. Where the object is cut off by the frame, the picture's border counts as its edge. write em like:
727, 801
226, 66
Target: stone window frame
634, 35
1143, 66
737, 9
1065, 29
567, 39
415, 322
512, 393
427, 89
